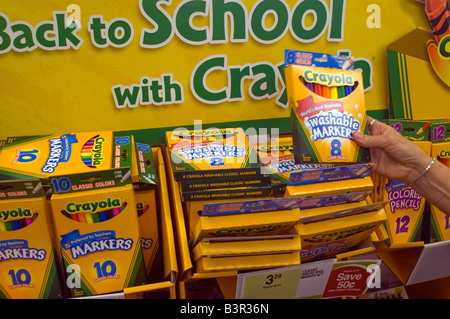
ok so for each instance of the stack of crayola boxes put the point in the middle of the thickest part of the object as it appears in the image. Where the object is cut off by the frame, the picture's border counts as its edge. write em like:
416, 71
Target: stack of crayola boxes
226, 239
136, 152
91, 203
277, 155
214, 165
326, 101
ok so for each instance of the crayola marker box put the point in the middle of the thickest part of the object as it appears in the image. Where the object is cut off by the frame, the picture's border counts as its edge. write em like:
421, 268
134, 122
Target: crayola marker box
440, 149
247, 261
225, 253
326, 106
358, 185
277, 155
28, 264
253, 224
97, 229
212, 153
327, 231
47, 155
133, 152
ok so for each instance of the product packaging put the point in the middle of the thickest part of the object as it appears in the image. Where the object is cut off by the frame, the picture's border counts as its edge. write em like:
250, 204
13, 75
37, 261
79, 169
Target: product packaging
137, 153
29, 268
97, 229
327, 231
228, 253
326, 106
406, 208
440, 150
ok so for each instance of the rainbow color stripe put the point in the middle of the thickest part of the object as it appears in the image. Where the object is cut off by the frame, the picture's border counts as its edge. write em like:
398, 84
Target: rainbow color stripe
86, 152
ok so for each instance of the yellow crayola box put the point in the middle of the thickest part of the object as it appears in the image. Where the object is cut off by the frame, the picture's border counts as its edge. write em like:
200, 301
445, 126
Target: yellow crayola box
323, 120
28, 267
47, 155
327, 231
245, 245
253, 224
247, 261
130, 151
330, 188
405, 213
212, 153
278, 158
226, 253
440, 149
406, 207
97, 228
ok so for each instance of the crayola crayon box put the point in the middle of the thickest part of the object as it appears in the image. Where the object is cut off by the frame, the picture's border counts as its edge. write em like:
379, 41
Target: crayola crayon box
326, 106
212, 153
440, 149
98, 232
138, 154
41, 156
29, 268
327, 231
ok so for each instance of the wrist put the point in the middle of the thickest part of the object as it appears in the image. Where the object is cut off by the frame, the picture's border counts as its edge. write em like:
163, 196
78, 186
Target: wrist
425, 170
419, 168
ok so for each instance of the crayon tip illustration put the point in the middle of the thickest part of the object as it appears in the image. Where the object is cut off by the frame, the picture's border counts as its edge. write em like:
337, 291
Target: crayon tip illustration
126, 176
423, 128
37, 188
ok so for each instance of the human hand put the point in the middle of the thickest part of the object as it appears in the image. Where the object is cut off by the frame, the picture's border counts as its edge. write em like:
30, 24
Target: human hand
394, 156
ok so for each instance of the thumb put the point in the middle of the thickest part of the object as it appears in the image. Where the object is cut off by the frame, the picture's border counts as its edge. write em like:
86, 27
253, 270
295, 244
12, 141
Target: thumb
367, 141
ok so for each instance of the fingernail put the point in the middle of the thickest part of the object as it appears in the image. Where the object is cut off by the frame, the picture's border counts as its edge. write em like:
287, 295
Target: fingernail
357, 135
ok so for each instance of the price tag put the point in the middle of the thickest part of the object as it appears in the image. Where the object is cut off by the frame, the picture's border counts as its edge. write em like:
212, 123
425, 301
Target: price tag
349, 279
278, 283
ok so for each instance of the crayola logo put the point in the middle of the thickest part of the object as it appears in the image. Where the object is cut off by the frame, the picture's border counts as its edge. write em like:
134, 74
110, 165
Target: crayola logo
327, 237
444, 154
206, 132
97, 151
17, 213
268, 148
248, 230
93, 207
328, 79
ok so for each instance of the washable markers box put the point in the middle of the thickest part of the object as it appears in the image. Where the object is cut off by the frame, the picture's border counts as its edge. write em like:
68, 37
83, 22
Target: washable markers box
239, 253
440, 150
277, 155
28, 264
328, 231
211, 153
136, 153
323, 123
97, 229
41, 156
253, 224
